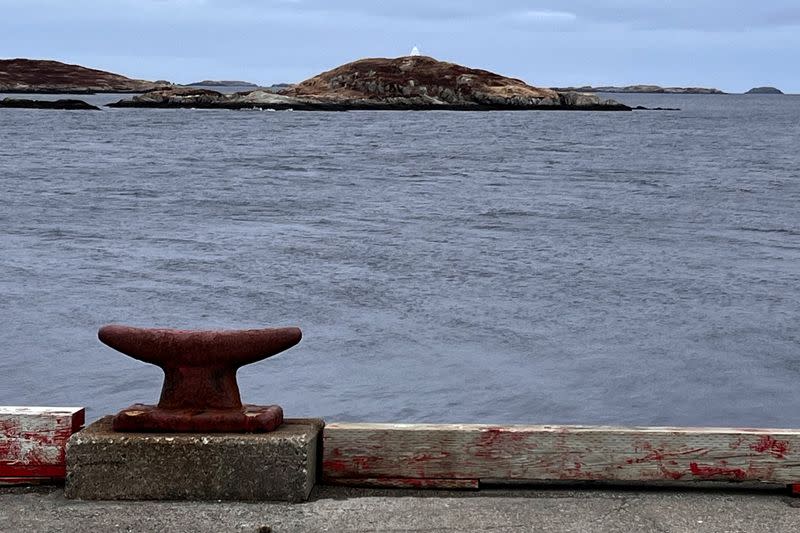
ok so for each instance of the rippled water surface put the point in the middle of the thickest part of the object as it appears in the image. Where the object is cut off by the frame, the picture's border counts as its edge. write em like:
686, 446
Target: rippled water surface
554, 267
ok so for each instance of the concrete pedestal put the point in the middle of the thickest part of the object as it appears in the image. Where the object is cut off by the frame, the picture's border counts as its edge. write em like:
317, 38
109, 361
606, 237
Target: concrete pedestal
278, 466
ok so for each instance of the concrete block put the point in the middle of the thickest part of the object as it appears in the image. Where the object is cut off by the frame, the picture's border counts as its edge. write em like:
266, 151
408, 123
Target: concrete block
279, 466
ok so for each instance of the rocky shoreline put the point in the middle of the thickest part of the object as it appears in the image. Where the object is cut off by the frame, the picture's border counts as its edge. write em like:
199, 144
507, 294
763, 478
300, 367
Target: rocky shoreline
407, 83
411, 83
263, 100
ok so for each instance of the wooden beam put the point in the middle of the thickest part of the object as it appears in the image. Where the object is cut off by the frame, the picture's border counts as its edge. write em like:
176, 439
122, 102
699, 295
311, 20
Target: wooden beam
33, 442
374, 452
409, 483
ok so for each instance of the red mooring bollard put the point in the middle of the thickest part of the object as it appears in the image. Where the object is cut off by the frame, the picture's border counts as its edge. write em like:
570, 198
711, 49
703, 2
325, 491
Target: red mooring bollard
200, 393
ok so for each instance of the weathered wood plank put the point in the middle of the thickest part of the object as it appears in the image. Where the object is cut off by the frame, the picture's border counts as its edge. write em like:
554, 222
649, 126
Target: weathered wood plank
33, 441
559, 453
406, 483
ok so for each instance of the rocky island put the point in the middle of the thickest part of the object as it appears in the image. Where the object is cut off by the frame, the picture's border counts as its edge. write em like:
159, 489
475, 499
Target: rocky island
73, 105
643, 89
40, 76
405, 83
764, 90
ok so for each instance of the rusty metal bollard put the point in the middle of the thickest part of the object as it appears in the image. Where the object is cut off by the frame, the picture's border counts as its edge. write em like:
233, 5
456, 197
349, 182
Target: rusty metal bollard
200, 393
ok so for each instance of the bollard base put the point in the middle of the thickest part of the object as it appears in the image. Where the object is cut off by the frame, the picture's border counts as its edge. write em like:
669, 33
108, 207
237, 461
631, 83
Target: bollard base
150, 418
279, 466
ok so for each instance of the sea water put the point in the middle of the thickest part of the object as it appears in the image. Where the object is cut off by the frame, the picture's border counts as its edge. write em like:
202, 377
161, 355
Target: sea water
503, 267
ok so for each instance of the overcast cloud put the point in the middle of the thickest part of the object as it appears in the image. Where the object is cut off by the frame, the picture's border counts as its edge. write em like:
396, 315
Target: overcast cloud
732, 44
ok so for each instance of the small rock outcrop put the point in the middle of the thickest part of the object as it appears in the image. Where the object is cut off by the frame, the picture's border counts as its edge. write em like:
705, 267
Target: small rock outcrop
764, 90
39, 76
179, 97
47, 104
406, 83
584, 100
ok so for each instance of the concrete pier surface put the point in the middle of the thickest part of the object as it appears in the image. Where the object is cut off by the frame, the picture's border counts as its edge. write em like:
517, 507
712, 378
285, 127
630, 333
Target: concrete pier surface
363, 510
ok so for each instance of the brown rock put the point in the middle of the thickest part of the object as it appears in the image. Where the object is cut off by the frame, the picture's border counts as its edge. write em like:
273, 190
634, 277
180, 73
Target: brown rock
575, 99
40, 76
421, 79
47, 104
184, 96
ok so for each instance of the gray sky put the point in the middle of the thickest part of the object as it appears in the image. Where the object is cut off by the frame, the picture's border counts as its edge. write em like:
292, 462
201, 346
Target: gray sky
729, 44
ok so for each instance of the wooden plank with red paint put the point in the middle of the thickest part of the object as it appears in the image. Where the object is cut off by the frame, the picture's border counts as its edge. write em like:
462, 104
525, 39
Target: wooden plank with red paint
33, 441
413, 483
559, 453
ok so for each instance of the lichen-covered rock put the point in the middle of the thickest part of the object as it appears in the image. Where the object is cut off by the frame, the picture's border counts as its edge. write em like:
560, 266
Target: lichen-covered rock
580, 99
181, 95
419, 76
263, 98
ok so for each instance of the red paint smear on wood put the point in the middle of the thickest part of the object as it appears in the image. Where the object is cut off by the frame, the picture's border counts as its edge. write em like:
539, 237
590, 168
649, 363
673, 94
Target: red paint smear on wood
671, 474
50, 471
660, 457
9, 448
498, 442
717, 471
364, 462
427, 457
11, 451
335, 465
735, 445
653, 456
573, 471
8, 428
356, 465
58, 436
767, 444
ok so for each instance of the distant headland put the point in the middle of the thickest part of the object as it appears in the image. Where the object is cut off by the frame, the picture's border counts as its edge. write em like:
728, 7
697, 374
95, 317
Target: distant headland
402, 83
764, 90
643, 89
222, 83
405, 83
42, 76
